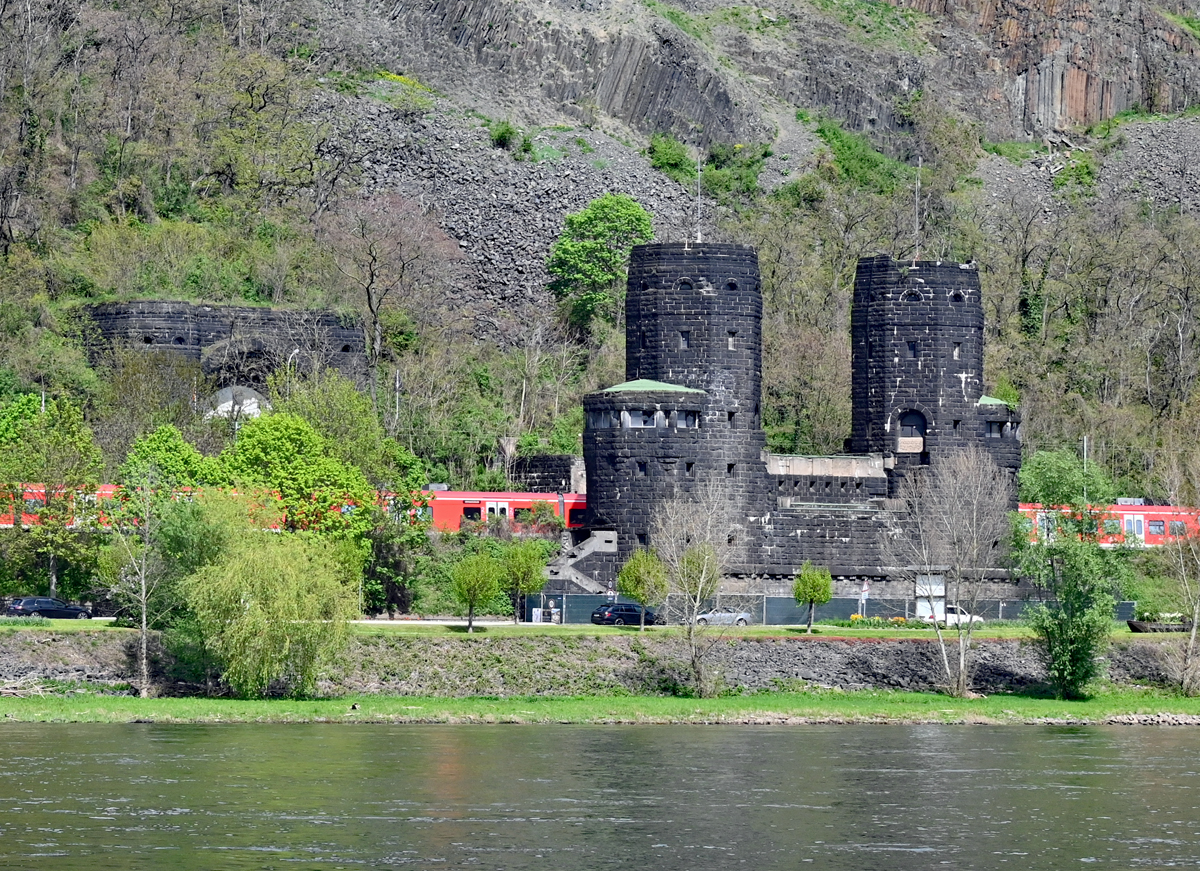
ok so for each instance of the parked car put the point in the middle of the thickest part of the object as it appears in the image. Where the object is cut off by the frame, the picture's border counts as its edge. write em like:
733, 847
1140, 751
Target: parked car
624, 615
954, 616
40, 606
724, 617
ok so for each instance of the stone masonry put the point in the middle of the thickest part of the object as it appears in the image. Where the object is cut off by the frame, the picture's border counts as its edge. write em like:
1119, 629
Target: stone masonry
688, 415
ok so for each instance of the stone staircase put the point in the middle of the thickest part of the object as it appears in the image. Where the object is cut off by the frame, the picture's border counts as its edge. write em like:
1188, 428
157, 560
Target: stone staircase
562, 570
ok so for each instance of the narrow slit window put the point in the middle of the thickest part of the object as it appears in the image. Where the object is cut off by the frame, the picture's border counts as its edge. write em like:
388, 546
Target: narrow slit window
957, 349
730, 469
912, 350
690, 469
732, 339
685, 339
641, 469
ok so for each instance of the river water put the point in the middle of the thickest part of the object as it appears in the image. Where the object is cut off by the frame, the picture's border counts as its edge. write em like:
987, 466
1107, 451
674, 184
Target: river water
576, 797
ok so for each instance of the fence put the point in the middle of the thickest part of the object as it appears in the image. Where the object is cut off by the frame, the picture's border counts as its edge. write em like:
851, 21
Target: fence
783, 611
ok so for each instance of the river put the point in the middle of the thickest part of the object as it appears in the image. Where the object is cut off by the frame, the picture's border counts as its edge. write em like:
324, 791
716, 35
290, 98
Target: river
581, 797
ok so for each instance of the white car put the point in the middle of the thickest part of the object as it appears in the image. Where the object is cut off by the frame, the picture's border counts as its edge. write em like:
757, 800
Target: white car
724, 617
954, 616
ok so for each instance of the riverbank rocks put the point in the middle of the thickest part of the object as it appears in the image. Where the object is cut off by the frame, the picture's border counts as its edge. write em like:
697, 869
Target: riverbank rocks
576, 665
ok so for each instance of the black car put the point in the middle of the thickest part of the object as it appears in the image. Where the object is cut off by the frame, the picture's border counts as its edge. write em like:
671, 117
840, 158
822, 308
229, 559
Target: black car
41, 606
624, 615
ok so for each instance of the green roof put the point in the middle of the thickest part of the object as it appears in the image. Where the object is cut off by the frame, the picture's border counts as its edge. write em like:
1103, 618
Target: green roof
991, 400
645, 385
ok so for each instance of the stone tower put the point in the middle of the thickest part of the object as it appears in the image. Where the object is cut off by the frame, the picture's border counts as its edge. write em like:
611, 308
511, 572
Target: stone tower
688, 413
917, 361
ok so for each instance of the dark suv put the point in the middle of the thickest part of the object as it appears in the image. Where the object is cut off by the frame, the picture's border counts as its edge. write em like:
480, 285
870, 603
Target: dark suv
40, 606
624, 615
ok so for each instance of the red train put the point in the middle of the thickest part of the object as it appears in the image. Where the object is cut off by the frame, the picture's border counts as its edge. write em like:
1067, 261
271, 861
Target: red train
1134, 525
1139, 525
449, 508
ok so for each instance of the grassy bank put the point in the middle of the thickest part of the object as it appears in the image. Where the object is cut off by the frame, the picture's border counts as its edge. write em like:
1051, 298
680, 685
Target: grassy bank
761, 708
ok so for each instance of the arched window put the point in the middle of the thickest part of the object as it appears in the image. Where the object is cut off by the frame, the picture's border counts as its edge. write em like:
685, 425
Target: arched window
912, 433
910, 296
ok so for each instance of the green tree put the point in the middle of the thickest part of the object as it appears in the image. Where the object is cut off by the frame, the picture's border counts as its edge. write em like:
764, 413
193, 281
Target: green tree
1063, 556
318, 492
165, 455
813, 586
589, 259
524, 563
53, 447
274, 610
644, 579
474, 580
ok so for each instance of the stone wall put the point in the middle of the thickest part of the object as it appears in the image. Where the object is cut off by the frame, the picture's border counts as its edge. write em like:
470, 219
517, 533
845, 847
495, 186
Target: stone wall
549, 473
233, 344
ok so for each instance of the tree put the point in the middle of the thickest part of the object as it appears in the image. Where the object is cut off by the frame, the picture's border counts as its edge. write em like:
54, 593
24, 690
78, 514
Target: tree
643, 578
274, 610
693, 535
318, 492
48, 442
1181, 559
955, 528
389, 250
169, 459
133, 565
475, 579
1062, 555
524, 564
590, 257
814, 586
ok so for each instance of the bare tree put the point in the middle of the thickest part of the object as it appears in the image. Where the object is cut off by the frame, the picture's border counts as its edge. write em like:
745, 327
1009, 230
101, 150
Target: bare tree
693, 535
954, 526
133, 566
1183, 569
389, 250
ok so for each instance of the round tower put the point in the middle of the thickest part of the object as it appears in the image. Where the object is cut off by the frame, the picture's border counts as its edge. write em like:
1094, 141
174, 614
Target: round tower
917, 360
688, 414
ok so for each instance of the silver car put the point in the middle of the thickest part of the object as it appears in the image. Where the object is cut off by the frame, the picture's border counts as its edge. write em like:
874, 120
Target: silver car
724, 617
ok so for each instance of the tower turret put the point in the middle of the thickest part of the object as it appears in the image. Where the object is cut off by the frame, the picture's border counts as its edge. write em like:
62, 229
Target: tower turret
689, 411
917, 360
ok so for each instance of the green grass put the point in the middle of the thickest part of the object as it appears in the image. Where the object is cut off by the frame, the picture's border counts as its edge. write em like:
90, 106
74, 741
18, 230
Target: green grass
1014, 152
815, 706
876, 22
859, 162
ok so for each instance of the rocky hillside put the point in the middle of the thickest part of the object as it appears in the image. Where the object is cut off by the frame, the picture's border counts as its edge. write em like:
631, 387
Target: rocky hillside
709, 70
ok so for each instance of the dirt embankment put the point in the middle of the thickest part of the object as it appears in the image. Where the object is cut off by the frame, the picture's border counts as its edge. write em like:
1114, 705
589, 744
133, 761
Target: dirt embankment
585, 665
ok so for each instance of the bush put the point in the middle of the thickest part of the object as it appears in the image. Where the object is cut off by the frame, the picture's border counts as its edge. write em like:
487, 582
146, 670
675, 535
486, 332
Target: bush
503, 134
670, 157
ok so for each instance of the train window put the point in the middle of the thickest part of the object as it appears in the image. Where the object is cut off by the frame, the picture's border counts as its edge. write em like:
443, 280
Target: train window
1133, 526
1156, 527
1178, 527
575, 516
472, 513
1112, 527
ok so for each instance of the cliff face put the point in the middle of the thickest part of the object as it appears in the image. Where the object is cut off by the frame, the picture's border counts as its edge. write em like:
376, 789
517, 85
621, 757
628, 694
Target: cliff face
1053, 64
1019, 67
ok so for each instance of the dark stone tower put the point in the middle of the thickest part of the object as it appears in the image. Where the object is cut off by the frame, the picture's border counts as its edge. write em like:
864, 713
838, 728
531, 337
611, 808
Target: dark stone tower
917, 361
688, 414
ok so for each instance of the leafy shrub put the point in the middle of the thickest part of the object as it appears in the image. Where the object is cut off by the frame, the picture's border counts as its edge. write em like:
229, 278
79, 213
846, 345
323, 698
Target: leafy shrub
860, 163
503, 134
670, 157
